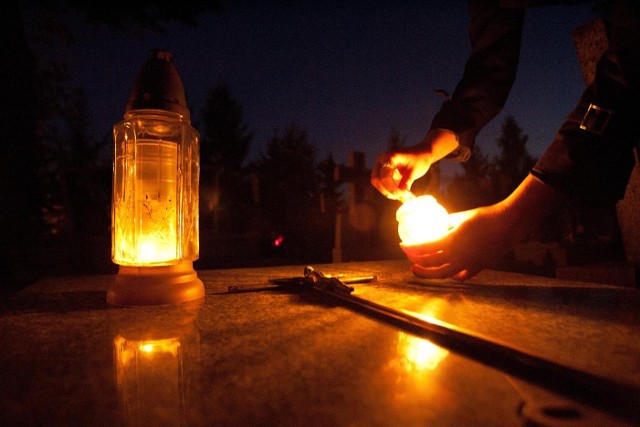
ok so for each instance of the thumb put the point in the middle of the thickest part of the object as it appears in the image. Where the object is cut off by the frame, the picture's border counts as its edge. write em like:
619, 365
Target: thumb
405, 183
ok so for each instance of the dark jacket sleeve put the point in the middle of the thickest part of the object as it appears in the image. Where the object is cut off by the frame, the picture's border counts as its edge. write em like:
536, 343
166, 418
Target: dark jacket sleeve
489, 73
591, 155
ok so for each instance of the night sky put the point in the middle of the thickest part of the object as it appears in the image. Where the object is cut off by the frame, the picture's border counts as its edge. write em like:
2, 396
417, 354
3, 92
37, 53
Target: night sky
345, 74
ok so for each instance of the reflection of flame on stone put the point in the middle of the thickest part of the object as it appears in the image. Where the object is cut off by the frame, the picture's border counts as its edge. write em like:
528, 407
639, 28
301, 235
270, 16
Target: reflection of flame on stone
414, 370
422, 354
419, 354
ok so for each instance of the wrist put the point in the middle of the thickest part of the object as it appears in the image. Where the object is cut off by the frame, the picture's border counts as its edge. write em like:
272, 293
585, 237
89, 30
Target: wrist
440, 143
529, 205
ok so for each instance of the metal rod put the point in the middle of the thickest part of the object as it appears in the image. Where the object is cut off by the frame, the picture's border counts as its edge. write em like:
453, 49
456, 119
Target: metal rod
618, 397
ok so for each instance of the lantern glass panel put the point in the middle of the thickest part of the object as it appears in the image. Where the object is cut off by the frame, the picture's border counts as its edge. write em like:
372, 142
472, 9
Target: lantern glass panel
155, 191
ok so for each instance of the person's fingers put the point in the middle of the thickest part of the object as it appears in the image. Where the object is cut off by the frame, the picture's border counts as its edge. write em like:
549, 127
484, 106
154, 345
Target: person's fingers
429, 260
375, 180
464, 275
383, 177
394, 173
387, 172
442, 272
425, 248
411, 169
406, 180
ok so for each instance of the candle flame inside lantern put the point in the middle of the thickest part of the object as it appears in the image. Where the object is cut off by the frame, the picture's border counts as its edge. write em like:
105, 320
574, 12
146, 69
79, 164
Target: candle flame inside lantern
422, 219
147, 219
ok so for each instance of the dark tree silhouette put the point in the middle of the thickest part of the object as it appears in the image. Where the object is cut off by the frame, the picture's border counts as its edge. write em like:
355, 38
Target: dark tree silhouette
226, 139
473, 187
513, 163
223, 150
289, 192
22, 113
395, 141
486, 181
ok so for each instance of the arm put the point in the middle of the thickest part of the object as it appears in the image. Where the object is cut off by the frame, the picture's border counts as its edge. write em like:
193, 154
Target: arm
591, 156
495, 34
488, 76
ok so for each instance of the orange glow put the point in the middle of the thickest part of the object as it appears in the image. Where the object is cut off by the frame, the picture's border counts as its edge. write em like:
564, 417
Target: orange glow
170, 345
422, 219
155, 248
416, 367
147, 216
419, 354
128, 351
150, 380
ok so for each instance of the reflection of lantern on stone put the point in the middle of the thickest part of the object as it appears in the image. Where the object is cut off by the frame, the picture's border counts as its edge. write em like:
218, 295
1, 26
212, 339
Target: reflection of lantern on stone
155, 192
157, 366
148, 377
422, 219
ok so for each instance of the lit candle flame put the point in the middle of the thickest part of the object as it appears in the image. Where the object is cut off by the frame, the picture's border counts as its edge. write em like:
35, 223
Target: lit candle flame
146, 215
156, 248
422, 219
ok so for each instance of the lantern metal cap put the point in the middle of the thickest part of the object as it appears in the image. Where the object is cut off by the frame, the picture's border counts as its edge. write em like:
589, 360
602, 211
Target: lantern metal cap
158, 86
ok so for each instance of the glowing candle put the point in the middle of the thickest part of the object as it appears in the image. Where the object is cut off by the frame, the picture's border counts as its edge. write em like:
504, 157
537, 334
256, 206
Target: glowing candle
422, 219
147, 218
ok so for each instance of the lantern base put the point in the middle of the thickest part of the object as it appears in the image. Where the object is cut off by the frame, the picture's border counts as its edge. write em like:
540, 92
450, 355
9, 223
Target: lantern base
168, 284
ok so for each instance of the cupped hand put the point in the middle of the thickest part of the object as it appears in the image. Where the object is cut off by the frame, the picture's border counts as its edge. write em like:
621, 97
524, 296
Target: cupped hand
478, 239
481, 236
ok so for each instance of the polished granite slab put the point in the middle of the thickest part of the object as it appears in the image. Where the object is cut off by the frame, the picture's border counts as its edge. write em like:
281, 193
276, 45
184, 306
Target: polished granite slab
505, 349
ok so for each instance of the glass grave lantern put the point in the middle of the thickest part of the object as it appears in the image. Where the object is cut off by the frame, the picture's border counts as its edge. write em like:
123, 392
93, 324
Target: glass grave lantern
154, 237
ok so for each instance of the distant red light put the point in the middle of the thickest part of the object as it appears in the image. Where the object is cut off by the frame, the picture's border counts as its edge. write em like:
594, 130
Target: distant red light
277, 242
